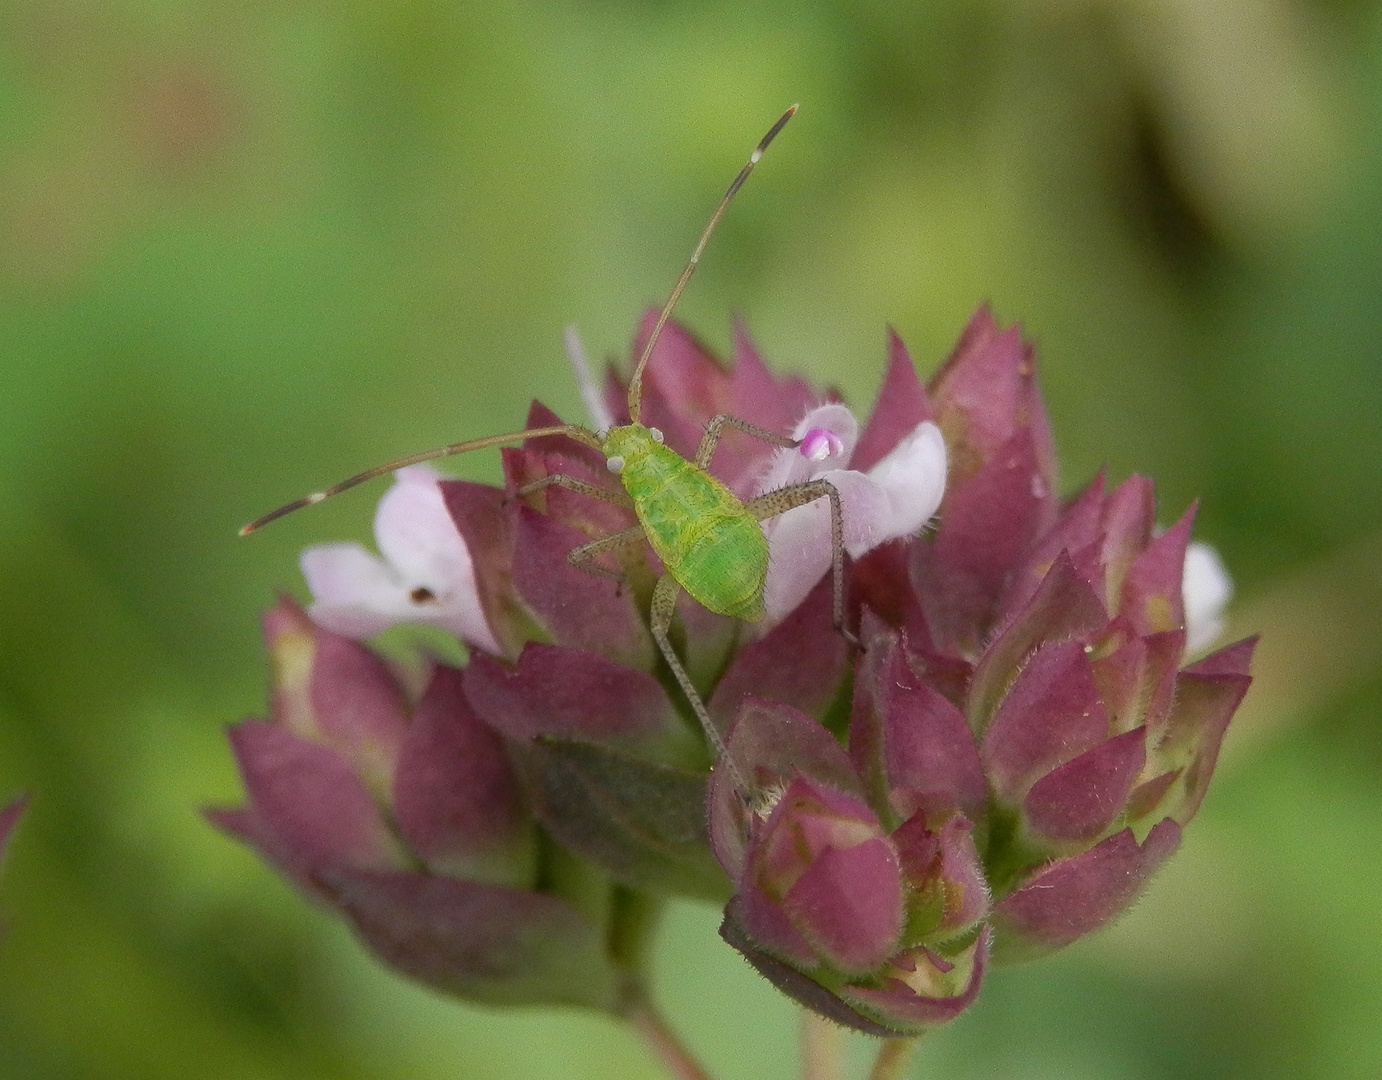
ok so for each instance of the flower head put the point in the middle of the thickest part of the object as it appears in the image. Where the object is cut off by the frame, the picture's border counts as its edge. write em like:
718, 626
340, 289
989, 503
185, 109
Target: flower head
996, 772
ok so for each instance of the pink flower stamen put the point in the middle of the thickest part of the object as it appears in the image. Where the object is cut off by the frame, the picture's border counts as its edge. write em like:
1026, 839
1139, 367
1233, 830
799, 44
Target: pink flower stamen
819, 444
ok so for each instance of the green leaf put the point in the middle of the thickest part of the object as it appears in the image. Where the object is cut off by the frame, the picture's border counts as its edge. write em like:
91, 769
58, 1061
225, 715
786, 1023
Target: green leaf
643, 822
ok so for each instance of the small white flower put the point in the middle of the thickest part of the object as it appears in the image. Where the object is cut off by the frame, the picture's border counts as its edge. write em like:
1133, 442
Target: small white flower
1206, 590
893, 499
426, 574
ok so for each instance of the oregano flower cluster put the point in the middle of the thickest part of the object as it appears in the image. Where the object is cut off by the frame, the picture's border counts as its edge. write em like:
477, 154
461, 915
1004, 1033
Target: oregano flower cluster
995, 770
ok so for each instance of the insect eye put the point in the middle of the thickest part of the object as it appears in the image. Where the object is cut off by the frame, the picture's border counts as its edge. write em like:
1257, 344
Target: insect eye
615, 464
656, 433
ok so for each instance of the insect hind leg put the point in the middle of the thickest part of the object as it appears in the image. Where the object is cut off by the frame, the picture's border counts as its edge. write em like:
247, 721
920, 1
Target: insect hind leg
777, 502
663, 607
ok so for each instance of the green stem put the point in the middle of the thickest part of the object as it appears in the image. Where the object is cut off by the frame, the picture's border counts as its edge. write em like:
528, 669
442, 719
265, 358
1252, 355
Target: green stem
661, 1039
822, 1047
893, 1059
633, 919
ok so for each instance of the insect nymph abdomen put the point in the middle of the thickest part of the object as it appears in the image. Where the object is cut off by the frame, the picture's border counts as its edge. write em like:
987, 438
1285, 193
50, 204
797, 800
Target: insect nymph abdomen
700, 530
725, 567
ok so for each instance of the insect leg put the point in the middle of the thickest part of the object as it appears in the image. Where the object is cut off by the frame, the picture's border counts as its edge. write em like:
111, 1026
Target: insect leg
789, 498
712, 436
584, 556
581, 487
663, 607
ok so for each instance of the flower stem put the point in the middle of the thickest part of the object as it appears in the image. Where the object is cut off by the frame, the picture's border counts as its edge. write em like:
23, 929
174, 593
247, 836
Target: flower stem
893, 1059
822, 1047
662, 1040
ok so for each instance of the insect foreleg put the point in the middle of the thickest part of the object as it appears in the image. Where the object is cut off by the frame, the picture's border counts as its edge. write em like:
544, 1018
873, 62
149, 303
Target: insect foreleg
581, 487
664, 606
789, 498
712, 436
584, 556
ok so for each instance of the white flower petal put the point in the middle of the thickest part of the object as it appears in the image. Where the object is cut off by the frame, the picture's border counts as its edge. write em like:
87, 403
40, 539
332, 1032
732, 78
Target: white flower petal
355, 593
1206, 590
866, 508
912, 476
467, 622
426, 575
798, 557
833, 417
416, 535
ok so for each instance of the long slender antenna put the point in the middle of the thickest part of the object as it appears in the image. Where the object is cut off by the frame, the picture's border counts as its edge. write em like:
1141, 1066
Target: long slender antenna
575, 432
636, 383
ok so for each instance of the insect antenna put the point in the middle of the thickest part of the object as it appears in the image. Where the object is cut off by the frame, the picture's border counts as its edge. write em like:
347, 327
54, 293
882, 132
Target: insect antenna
636, 383
572, 430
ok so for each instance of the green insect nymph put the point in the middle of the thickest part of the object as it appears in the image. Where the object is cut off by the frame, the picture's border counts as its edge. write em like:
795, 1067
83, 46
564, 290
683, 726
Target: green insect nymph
693, 522
710, 542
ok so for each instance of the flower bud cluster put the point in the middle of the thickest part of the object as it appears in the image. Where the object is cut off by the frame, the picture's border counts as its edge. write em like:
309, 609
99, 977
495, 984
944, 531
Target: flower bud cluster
398, 807
996, 772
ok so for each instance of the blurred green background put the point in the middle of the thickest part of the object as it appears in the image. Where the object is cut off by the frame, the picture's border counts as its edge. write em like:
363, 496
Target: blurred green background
246, 248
